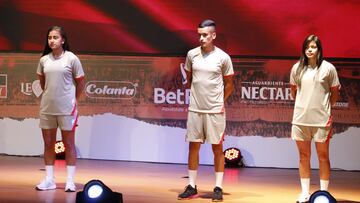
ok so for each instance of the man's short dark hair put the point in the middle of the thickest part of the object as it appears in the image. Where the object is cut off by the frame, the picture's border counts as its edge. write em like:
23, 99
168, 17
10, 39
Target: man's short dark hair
207, 23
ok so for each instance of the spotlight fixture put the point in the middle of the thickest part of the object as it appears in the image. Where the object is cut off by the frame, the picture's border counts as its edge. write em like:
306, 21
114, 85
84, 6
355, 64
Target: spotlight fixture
322, 196
232, 157
60, 150
96, 191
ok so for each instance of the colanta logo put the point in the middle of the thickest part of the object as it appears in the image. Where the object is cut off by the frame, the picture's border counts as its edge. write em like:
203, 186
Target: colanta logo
110, 89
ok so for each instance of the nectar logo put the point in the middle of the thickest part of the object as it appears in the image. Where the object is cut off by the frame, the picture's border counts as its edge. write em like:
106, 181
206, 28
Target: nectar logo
260, 91
110, 89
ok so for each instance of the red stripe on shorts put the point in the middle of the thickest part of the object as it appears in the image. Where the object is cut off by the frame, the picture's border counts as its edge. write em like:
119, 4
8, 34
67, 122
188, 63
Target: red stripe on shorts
329, 135
75, 123
329, 122
74, 109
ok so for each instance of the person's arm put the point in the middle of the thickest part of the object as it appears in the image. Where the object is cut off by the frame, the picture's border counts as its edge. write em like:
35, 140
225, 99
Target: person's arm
334, 95
293, 84
188, 78
334, 86
228, 86
80, 84
293, 89
42, 81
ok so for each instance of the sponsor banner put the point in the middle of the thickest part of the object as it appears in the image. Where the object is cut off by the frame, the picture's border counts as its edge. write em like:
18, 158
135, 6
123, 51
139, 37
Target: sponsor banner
154, 89
30, 88
110, 89
3, 86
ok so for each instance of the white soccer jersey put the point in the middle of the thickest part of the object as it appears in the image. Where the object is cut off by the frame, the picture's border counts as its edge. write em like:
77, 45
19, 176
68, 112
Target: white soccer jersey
58, 97
312, 103
207, 87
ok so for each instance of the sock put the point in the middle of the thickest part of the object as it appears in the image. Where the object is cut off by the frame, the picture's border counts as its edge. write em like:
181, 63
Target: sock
219, 179
70, 173
49, 169
324, 184
192, 177
305, 185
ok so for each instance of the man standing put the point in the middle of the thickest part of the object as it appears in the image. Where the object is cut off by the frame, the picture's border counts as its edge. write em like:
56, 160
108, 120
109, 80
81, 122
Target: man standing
210, 72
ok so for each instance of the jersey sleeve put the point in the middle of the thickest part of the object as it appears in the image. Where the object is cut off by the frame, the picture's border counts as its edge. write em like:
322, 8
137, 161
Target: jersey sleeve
333, 77
227, 66
292, 74
77, 68
188, 62
40, 68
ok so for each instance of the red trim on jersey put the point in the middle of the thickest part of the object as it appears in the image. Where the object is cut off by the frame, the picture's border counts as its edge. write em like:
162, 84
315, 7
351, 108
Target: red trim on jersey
329, 122
329, 135
80, 78
293, 86
337, 87
75, 123
225, 76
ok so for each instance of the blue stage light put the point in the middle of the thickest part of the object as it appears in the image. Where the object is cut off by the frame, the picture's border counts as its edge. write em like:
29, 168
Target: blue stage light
95, 191
322, 196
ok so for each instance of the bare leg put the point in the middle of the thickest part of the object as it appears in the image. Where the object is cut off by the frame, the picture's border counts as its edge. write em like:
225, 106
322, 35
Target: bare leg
304, 148
69, 142
219, 159
49, 136
193, 160
70, 158
193, 165
324, 164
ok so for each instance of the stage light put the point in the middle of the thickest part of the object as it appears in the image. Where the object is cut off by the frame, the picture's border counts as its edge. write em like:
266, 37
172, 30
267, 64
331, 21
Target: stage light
96, 191
232, 157
60, 150
322, 196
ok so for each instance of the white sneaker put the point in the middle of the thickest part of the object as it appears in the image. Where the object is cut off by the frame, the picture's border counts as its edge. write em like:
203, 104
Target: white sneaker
303, 198
70, 187
46, 184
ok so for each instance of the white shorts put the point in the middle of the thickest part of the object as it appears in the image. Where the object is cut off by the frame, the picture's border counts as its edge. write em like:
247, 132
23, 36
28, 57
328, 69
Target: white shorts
209, 127
307, 133
64, 122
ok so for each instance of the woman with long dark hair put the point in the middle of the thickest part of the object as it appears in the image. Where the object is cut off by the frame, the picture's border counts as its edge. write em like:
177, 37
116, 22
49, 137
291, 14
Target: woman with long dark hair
62, 79
315, 87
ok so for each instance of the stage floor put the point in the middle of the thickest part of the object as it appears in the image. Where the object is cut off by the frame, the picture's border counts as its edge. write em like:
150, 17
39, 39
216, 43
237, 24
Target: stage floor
152, 182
